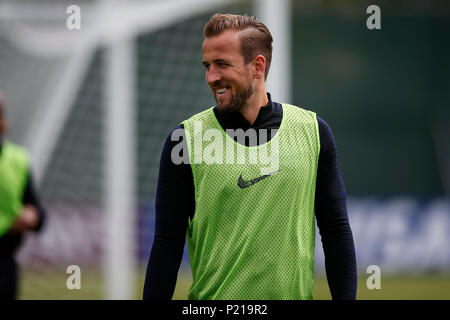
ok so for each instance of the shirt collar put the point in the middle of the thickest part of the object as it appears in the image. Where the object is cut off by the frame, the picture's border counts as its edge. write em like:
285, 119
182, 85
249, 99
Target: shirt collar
236, 120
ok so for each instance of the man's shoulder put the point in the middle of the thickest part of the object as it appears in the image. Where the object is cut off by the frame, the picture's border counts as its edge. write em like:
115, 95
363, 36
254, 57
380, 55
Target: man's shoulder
298, 109
14, 157
322, 124
299, 115
199, 116
14, 149
178, 131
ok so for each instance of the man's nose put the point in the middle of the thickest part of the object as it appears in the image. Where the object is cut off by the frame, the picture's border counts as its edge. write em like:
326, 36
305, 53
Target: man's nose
213, 76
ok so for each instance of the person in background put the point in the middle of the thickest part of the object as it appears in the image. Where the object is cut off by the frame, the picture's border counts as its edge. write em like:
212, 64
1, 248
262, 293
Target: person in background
20, 209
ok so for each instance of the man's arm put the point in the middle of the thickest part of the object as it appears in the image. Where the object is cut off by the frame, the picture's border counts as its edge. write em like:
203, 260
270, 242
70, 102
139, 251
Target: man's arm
174, 204
31, 198
332, 220
32, 216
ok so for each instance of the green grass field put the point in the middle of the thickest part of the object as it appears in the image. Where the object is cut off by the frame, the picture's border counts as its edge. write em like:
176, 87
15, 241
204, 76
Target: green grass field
51, 284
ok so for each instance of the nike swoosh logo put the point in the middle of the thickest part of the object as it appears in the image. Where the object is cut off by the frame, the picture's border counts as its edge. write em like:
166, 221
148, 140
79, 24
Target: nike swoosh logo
245, 184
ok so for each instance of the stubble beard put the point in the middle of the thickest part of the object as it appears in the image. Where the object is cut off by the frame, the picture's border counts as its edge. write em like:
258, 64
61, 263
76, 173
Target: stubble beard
237, 101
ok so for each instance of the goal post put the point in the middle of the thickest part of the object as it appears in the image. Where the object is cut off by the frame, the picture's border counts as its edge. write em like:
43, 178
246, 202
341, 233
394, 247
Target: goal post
277, 16
120, 204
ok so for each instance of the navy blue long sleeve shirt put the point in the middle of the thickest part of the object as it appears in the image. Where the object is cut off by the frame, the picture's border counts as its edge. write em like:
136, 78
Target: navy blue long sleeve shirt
175, 205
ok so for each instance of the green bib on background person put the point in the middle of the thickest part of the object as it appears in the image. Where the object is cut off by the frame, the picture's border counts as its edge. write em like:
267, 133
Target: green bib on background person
13, 176
253, 231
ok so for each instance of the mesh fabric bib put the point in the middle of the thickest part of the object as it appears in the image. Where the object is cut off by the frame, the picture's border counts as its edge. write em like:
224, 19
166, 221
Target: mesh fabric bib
253, 232
13, 174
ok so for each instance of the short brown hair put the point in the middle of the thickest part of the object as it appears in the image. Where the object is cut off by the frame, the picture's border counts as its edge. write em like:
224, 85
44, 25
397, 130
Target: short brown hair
256, 39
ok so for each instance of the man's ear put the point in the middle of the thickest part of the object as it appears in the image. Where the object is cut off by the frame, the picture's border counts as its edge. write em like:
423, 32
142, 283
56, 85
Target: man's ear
259, 64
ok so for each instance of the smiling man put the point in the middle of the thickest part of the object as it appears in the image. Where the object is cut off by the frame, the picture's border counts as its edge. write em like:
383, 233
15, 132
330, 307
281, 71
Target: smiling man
237, 81
250, 235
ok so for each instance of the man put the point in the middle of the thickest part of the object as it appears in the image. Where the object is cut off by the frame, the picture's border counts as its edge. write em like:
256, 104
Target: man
250, 232
20, 210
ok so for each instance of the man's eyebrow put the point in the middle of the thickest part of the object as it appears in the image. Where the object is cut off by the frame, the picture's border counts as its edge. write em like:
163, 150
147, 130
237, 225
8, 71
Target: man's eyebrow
220, 60
216, 61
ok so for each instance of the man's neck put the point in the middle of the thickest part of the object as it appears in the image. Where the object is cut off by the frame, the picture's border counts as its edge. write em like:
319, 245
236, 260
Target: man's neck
254, 104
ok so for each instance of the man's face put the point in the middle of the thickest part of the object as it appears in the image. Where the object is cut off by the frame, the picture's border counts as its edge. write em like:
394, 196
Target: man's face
226, 73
